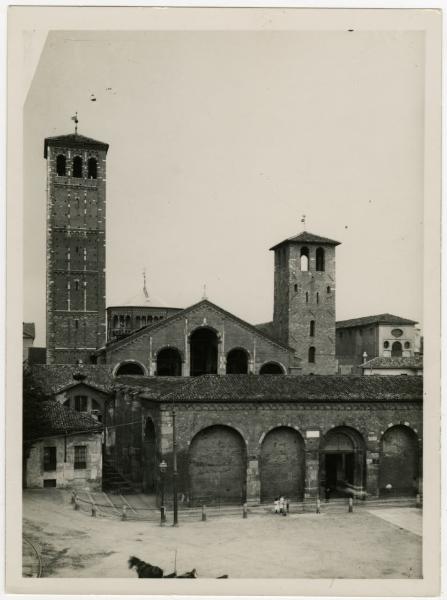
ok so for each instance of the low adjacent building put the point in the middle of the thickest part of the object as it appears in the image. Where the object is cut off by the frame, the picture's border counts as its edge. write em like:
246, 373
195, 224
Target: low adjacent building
393, 365
29, 335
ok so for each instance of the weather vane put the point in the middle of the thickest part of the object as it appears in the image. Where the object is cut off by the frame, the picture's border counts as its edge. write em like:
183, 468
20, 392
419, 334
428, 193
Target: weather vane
76, 121
145, 292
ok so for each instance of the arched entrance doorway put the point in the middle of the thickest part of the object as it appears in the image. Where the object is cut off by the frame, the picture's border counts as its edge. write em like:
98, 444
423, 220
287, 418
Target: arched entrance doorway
399, 464
282, 464
271, 368
203, 347
169, 362
150, 457
129, 368
342, 463
237, 362
217, 466
396, 349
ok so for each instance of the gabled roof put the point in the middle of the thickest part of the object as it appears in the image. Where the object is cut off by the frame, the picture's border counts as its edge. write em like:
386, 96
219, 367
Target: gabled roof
298, 388
415, 363
74, 140
52, 379
29, 330
181, 314
45, 418
383, 319
306, 238
153, 388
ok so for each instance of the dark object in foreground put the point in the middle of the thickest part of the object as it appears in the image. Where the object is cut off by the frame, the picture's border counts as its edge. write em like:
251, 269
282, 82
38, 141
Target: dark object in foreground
147, 571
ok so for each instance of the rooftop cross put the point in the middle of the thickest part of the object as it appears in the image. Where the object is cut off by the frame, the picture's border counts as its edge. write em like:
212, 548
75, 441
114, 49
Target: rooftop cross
76, 120
303, 221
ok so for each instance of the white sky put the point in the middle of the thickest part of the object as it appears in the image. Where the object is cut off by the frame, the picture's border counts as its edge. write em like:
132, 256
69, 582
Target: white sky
220, 141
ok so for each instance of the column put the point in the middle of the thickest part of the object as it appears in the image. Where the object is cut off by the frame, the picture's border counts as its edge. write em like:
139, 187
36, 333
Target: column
253, 480
312, 463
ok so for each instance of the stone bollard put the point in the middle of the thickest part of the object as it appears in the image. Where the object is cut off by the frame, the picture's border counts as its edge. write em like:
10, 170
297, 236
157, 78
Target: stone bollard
93, 510
162, 516
318, 506
350, 505
73, 497
76, 503
124, 513
244, 511
203, 513
287, 506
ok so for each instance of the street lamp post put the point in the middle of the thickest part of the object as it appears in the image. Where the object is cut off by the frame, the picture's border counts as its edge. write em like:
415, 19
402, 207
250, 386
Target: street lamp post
174, 468
162, 466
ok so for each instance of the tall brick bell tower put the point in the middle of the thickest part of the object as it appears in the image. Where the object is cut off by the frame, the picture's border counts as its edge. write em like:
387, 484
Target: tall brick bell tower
76, 211
304, 300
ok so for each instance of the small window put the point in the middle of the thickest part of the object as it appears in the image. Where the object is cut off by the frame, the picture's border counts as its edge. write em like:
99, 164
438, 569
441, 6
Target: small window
407, 345
328, 289
307, 297
319, 262
92, 168
61, 165
76, 323
77, 166
304, 259
386, 344
311, 354
76, 284
295, 287
80, 458
81, 403
49, 458
49, 483
312, 328
318, 297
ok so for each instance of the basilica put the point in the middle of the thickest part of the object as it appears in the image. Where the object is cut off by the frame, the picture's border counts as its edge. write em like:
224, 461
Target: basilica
246, 411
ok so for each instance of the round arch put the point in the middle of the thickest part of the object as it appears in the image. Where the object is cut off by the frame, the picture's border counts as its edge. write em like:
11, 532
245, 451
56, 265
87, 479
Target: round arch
217, 462
399, 462
282, 463
169, 362
342, 462
129, 367
237, 361
272, 368
396, 349
203, 347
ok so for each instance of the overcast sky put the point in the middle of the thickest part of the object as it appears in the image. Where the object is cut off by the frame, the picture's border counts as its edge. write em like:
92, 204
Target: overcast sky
220, 141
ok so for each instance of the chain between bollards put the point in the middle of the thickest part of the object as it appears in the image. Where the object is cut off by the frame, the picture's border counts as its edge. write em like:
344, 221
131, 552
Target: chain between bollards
318, 506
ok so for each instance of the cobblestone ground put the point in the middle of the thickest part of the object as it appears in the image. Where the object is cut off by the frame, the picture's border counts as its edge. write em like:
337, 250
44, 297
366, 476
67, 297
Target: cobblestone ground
364, 544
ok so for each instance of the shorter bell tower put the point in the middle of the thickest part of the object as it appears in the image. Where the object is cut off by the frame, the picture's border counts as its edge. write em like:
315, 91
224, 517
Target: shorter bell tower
304, 300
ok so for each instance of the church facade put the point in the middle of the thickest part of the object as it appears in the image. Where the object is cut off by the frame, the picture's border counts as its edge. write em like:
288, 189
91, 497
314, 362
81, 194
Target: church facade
254, 410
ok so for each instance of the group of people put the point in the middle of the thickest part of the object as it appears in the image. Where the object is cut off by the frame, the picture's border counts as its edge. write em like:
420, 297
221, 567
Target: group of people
281, 506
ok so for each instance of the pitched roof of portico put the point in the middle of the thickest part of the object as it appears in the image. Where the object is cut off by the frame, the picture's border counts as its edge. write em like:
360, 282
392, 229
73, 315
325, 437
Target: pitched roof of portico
312, 388
183, 313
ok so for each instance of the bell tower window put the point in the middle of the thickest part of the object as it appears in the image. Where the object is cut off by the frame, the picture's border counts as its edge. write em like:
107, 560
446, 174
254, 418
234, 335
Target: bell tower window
312, 354
77, 166
92, 168
61, 165
312, 328
304, 259
319, 255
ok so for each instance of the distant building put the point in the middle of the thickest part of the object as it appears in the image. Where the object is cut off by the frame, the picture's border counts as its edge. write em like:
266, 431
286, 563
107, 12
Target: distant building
377, 335
393, 365
29, 335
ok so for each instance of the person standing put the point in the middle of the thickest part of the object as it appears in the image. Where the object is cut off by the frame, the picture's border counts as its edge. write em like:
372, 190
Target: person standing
276, 506
281, 505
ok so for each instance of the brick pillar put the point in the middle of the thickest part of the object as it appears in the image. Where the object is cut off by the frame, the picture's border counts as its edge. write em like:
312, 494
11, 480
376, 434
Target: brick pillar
312, 460
253, 480
372, 466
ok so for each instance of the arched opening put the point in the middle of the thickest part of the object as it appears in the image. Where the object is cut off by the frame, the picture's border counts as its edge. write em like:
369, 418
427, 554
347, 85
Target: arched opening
282, 465
150, 457
312, 328
203, 344
396, 349
311, 356
61, 165
169, 362
342, 463
129, 368
271, 368
304, 259
77, 166
237, 362
319, 259
92, 168
398, 467
217, 466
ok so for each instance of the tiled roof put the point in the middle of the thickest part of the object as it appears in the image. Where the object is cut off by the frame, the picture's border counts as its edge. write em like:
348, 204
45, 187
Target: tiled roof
43, 418
302, 388
51, 379
29, 330
383, 319
394, 362
74, 140
306, 238
159, 324
152, 388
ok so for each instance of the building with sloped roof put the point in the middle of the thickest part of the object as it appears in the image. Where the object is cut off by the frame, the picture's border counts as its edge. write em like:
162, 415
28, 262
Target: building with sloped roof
393, 365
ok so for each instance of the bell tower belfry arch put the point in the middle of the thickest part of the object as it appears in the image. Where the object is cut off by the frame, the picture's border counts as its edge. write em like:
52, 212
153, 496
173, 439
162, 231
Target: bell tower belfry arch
76, 213
304, 300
